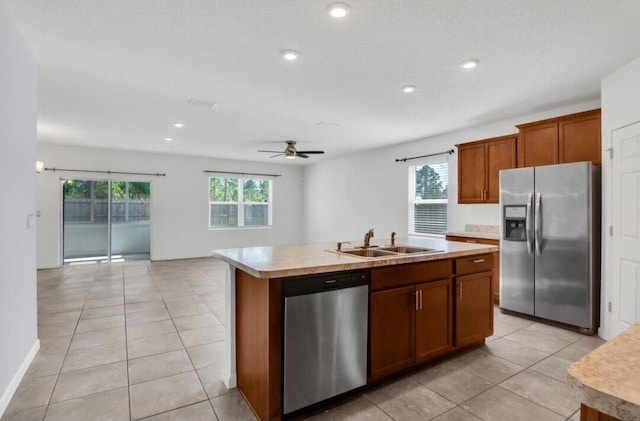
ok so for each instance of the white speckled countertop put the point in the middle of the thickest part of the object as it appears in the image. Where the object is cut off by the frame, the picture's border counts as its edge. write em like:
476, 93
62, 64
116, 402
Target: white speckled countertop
608, 379
305, 259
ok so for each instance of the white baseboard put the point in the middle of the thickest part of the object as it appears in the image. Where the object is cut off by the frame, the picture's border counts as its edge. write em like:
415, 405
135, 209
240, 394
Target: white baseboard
17, 378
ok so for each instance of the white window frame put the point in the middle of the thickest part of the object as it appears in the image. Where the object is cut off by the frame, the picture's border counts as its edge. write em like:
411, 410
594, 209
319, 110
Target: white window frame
413, 200
241, 204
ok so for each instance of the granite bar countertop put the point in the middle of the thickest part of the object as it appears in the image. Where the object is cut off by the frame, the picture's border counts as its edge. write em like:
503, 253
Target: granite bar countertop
608, 379
487, 232
306, 259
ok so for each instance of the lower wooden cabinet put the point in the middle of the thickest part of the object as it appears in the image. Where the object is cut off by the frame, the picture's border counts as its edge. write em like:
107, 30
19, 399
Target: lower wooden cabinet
434, 330
590, 414
410, 325
474, 308
496, 261
392, 330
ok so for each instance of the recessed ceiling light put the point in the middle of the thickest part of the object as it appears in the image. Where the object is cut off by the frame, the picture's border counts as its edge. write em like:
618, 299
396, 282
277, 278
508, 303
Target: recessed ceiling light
469, 64
178, 125
290, 55
168, 139
338, 10
408, 88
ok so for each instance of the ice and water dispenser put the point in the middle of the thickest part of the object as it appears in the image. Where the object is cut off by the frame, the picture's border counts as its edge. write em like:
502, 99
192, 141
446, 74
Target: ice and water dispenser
515, 222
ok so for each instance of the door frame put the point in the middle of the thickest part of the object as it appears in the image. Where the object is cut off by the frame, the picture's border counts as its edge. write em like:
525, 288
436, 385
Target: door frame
609, 289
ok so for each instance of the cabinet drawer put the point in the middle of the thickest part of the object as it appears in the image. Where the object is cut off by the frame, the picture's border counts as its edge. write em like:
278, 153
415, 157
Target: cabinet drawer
474, 264
411, 274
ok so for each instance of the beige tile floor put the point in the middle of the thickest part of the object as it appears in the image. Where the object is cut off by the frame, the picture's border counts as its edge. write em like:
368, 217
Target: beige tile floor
145, 340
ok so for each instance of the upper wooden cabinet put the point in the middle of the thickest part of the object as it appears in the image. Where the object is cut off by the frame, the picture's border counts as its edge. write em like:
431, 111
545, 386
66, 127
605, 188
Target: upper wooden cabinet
478, 166
570, 138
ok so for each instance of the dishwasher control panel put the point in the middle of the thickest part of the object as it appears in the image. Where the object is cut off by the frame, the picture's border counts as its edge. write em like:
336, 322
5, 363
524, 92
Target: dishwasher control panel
300, 285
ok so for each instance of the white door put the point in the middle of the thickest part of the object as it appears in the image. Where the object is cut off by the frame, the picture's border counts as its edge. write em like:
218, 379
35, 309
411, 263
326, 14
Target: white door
626, 228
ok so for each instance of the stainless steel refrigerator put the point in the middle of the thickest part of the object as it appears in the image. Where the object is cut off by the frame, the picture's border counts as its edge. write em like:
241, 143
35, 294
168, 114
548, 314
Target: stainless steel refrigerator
550, 243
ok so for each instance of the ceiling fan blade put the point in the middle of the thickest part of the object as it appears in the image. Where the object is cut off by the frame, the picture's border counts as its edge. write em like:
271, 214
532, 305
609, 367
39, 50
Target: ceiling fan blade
269, 151
301, 155
273, 156
310, 152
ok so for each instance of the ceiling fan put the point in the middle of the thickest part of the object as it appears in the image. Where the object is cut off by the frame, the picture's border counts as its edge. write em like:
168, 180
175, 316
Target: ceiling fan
290, 152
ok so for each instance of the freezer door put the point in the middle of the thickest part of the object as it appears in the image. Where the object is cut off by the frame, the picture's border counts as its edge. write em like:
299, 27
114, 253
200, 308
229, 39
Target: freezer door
516, 257
563, 234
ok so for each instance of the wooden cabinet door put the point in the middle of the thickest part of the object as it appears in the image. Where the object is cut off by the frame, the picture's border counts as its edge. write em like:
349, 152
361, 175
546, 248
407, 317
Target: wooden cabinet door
580, 139
471, 173
501, 155
474, 309
434, 330
392, 330
496, 260
538, 145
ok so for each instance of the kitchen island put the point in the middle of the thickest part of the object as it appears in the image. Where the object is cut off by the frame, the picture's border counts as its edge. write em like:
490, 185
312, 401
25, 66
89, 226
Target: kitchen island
606, 380
422, 306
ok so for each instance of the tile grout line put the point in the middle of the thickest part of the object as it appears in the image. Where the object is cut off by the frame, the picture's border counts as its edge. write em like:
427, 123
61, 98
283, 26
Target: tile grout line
68, 347
126, 341
188, 356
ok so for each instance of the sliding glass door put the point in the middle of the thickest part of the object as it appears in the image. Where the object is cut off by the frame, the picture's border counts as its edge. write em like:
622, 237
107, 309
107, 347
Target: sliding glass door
130, 220
105, 220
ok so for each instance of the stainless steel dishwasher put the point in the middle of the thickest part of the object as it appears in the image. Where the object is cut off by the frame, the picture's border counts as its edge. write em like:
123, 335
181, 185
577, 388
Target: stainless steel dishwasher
325, 337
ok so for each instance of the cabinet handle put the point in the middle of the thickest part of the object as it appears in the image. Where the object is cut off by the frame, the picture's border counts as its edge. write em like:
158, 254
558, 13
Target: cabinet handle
417, 303
420, 299
478, 261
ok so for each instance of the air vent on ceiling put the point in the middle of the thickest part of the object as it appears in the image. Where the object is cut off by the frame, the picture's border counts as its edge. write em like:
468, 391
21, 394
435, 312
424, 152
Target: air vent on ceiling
202, 103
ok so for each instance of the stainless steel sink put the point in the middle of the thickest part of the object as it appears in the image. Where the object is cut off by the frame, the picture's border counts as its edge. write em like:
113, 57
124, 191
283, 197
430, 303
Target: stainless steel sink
408, 249
369, 252
385, 251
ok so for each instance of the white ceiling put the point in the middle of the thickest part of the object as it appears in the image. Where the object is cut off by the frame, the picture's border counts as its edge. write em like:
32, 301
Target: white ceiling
119, 73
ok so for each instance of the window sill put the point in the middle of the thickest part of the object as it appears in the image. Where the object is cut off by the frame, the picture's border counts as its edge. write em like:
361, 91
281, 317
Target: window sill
436, 236
261, 227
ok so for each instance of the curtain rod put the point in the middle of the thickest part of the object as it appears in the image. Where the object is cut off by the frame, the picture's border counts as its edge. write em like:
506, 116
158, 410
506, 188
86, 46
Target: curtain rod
240, 173
449, 152
106, 172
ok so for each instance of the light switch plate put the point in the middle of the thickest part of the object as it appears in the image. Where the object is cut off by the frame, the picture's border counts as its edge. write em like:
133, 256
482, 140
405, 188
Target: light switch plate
30, 222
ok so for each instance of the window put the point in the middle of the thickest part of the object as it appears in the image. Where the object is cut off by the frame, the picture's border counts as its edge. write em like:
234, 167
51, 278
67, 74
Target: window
428, 198
239, 202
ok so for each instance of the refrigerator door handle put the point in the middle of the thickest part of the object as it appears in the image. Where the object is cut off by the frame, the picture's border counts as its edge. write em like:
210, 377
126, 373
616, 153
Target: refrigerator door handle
538, 223
527, 224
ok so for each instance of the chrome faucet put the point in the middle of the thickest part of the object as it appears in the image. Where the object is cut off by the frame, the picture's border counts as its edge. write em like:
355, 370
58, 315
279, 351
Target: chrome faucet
367, 237
340, 243
393, 238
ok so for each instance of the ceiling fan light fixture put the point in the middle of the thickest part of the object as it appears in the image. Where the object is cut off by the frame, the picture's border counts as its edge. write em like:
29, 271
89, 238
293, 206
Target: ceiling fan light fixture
407, 89
289, 154
290, 55
338, 10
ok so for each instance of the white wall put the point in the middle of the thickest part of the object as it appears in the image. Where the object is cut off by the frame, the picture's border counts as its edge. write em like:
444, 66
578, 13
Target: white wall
18, 104
354, 193
179, 201
620, 106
